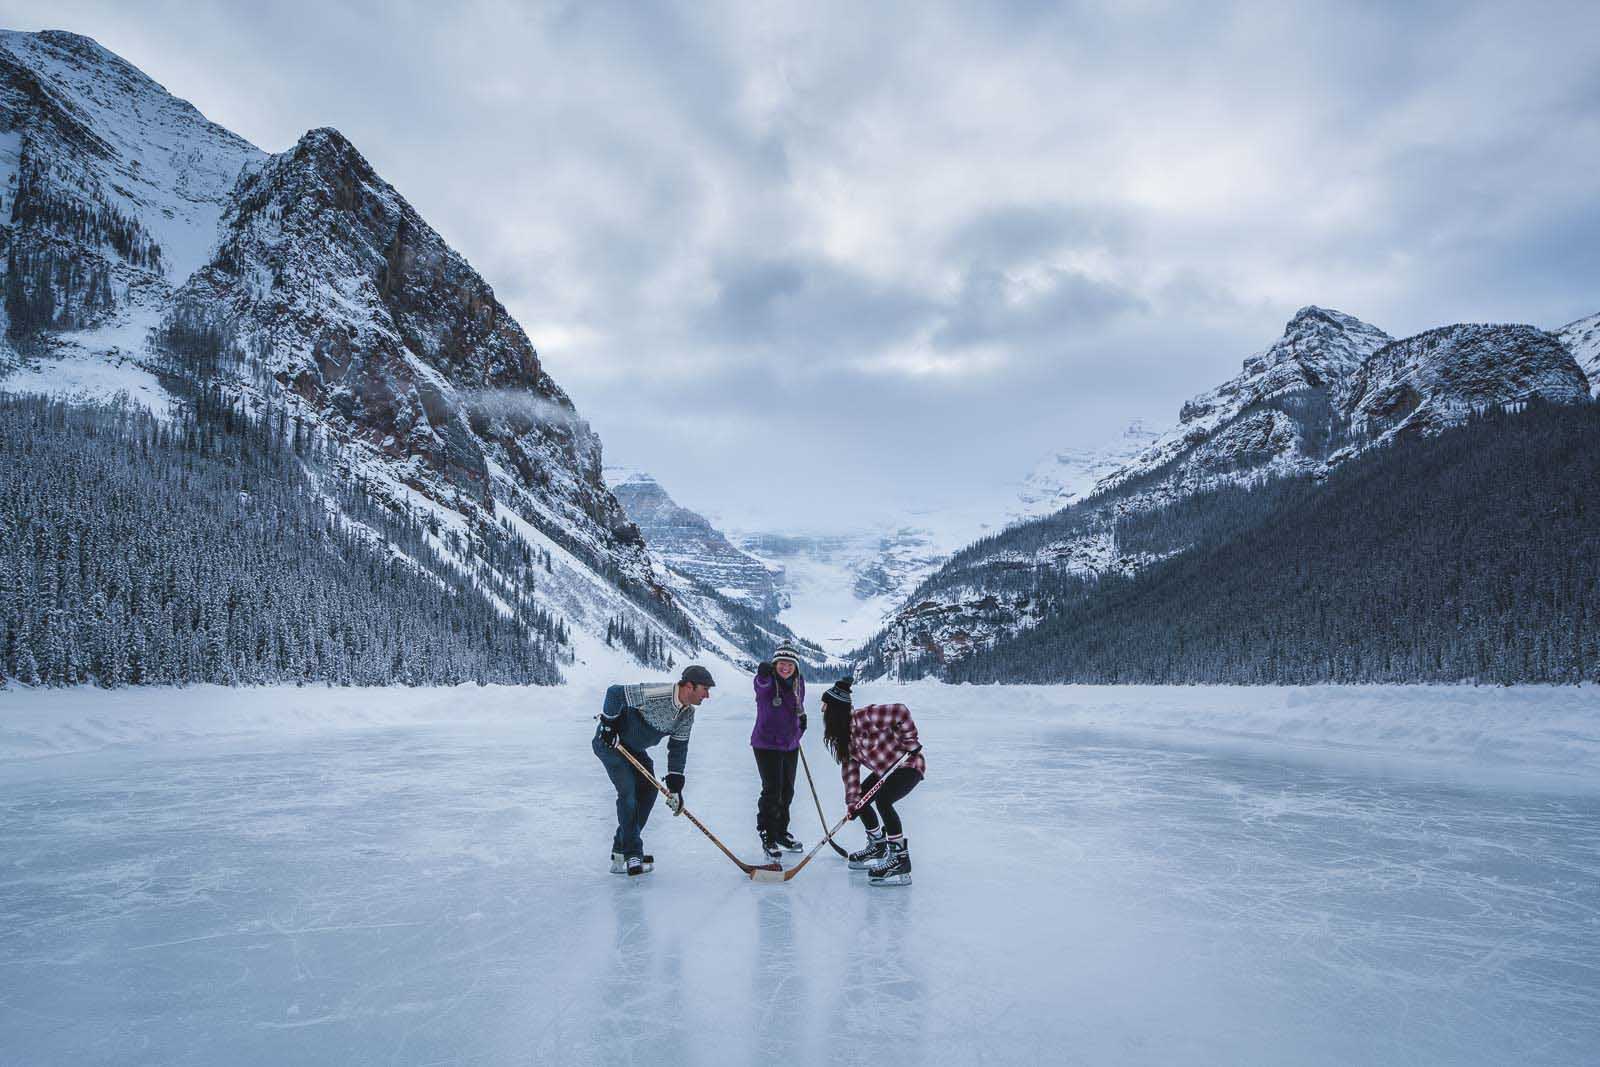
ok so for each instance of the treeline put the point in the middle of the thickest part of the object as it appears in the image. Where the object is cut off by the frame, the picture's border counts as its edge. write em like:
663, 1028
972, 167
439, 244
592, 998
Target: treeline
38, 205
647, 646
221, 547
45, 290
49, 283
1470, 556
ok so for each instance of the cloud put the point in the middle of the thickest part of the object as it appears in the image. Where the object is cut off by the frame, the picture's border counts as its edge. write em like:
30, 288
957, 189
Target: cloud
952, 238
795, 305
518, 405
1040, 308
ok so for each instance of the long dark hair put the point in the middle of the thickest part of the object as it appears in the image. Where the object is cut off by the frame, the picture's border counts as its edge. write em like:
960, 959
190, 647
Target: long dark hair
836, 728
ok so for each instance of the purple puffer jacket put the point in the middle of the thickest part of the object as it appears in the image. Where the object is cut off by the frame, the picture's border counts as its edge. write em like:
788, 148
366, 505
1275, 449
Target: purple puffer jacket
778, 727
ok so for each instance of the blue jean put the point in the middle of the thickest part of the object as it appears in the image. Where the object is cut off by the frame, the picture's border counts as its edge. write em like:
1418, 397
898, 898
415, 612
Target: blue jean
635, 796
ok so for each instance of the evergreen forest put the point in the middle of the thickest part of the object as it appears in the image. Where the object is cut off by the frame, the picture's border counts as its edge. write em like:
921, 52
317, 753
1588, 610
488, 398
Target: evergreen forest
1470, 556
233, 549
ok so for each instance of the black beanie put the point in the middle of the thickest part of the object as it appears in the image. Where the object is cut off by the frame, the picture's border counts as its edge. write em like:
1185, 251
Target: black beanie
840, 693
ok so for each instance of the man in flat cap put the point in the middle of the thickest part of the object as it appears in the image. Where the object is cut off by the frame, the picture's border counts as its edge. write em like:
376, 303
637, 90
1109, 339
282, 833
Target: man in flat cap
636, 717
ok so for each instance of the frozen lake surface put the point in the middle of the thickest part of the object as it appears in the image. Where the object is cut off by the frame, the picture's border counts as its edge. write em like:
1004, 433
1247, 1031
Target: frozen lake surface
1102, 876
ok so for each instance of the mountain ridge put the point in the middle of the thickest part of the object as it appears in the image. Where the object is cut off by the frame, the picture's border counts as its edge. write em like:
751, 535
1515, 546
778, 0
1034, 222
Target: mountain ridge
1329, 390
145, 237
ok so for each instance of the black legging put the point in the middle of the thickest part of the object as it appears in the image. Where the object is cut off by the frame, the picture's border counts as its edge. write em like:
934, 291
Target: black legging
901, 782
777, 789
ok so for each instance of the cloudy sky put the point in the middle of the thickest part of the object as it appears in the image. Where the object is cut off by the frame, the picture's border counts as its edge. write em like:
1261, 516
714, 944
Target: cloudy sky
817, 265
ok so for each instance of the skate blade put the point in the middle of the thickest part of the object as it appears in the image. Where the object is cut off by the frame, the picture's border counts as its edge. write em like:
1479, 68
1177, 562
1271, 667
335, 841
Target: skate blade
899, 879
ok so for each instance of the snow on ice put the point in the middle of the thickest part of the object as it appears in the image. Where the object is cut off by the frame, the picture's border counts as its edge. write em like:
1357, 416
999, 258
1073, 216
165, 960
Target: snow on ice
1102, 875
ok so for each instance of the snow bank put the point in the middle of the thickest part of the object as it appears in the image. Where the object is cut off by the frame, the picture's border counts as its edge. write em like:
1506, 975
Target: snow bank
1544, 731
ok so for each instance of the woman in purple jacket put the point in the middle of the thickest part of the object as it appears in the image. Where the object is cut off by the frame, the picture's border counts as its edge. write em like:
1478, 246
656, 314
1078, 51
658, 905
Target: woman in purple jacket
780, 720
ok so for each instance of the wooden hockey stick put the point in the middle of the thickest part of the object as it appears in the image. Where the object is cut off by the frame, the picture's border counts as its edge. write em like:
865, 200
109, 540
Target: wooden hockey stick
753, 872
767, 874
821, 818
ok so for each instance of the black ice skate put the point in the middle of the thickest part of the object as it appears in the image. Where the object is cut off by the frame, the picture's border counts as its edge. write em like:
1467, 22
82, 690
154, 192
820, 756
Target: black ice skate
877, 848
894, 868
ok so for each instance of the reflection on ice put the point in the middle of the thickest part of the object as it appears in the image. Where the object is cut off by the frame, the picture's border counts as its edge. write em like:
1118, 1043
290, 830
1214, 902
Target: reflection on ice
438, 894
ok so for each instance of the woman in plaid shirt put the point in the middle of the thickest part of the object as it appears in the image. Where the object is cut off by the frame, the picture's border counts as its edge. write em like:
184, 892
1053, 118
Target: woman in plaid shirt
874, 736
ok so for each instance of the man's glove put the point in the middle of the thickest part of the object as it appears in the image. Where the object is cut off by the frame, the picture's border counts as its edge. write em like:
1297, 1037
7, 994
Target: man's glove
802, 723
851, 811
764, 670
608, 732
674, 784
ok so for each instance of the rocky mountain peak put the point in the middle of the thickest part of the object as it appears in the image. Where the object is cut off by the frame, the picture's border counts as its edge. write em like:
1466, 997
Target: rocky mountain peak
1440, 376
304, 283
1320, 349
1270, 415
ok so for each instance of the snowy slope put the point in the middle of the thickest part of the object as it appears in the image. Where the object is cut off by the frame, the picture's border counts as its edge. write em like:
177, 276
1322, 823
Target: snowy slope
102, 168
687, 542
1582, 339
841, 586
152, 154
1072, 474
1234, 430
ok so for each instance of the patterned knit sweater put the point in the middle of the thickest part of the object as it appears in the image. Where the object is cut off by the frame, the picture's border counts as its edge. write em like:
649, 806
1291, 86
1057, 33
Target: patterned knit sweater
646, 712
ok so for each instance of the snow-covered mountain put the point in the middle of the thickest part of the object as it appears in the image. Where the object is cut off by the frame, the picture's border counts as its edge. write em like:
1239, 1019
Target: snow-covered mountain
1440, 377
1071, 474
685, 541
1271, 417
735, 596
1582, 339
1330, 388
143, 240
842, 586
112, 187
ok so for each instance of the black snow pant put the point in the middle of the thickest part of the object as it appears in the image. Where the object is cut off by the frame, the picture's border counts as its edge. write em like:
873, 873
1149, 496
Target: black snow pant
901, 782
777, 789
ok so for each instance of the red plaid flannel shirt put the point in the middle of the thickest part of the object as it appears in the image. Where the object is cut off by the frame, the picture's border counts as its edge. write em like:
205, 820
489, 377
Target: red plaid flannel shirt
878, 734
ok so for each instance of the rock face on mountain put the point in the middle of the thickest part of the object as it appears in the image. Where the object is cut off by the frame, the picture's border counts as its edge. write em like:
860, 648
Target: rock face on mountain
1329, 389
110, 188
733, 595
1272, 416
331, 284
304, 282
1438, 378
686, 542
